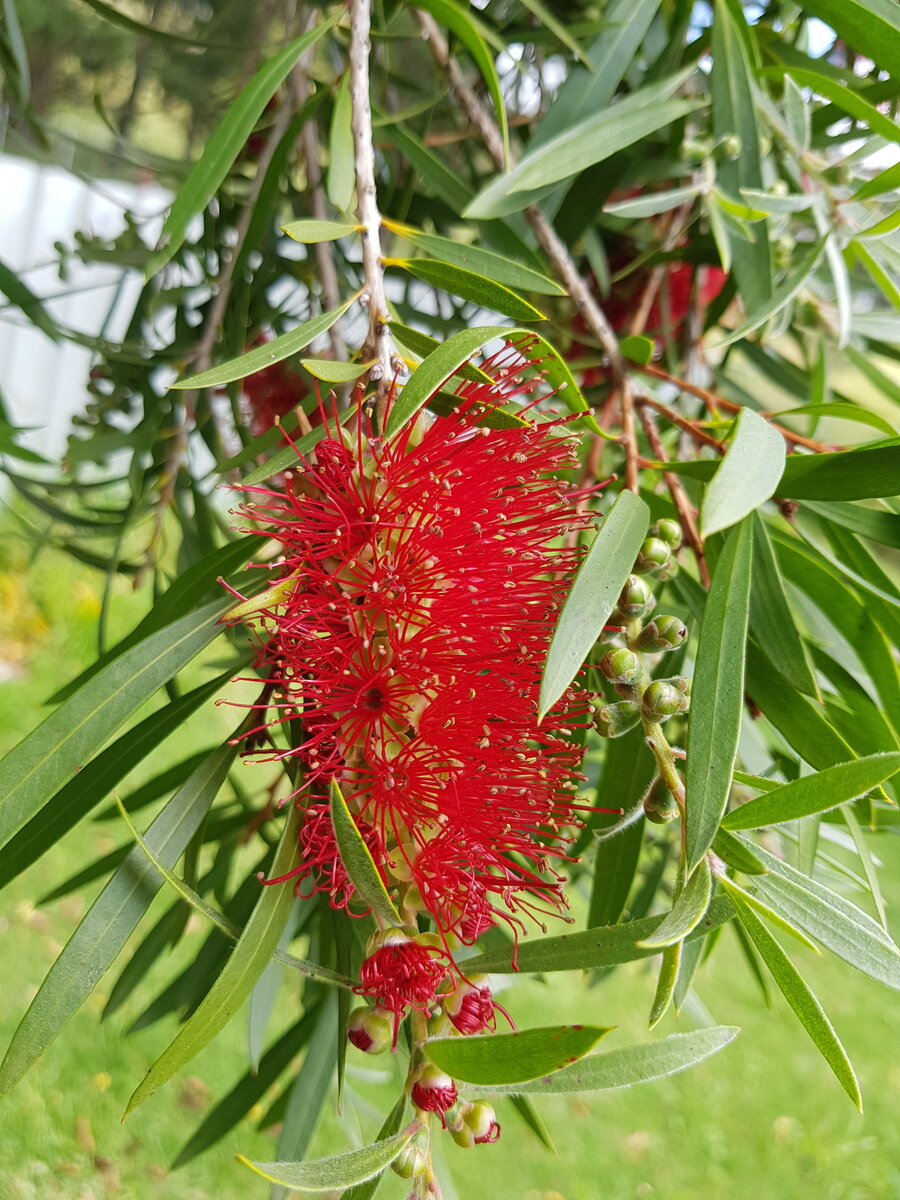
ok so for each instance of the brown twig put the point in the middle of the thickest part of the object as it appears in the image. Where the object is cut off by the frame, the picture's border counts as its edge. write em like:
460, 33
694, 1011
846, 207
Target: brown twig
711, 400
378, 344
551, 243
683, 506
690, 427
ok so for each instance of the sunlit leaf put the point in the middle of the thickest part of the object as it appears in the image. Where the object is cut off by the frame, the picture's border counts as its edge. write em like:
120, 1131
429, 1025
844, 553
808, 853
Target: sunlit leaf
339, 1171
490, 1059
747, 476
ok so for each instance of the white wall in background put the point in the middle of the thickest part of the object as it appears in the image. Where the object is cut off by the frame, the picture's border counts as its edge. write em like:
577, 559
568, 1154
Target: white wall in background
43, 383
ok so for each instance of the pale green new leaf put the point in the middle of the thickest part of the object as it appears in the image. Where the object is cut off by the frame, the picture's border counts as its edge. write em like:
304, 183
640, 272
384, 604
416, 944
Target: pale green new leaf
747, 476
687, 911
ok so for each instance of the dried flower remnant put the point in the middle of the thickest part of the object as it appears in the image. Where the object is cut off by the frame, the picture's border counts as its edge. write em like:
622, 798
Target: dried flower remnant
414, 603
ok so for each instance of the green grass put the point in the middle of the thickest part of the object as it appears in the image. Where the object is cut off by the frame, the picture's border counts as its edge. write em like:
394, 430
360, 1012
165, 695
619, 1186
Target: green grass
763, 1118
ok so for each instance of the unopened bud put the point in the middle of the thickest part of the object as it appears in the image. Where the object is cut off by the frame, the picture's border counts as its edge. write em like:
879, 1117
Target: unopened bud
662, 633
620, 666
635, 597
413, 1158
652, 556
473, 1124
470, 1007
731, 146
659, 803
668, 530
612, 720
370, 1029
662, 699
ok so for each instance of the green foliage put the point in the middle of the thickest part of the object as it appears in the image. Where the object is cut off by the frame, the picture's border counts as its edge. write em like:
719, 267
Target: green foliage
714, 192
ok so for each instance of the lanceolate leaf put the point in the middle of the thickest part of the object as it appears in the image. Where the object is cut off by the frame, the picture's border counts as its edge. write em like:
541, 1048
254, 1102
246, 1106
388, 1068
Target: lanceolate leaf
225, 144
503, 1058
95, 780
332, 1174
801, 999
392, 1122
687, 911
475, 258
48, 758
814, 793
358, 861
771, 619
717, 694
834, 922
423, 345
248, 960
606, 946
850, 101
759, 906
470, 286
266, 355
747, 476
112, 918
870, 27
626, 1067
311, 232
593, 594
669, 963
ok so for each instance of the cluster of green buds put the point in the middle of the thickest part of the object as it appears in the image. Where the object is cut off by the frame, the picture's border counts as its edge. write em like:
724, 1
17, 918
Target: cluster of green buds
644, 700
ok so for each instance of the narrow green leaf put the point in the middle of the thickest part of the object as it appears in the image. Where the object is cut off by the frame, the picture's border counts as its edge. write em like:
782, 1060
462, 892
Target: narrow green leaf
43, 762
847, 99
492, 1059
95, 780
869, 867
112, 918
773, 202
687, 911
209, 172
875, 524
717, 695
606, 946
423, 345
638, 349
249, 1089
328, 1174
747, 476
474, 258
814, 793
433, 372
461, 282
589, 141
252, 952
801, 999
340, 178
533, 1119
286, 458
670, 960
333, 372
392, 1122
653, 203
864, 474
834, 922
887, 180
110, 13
835, 410
263, 356
737, 854
771, 619
548, 21
358, 861
309, 1092
470, 31
777, 919
626, 1067
734, 113
593, 594
23, 298
310, 232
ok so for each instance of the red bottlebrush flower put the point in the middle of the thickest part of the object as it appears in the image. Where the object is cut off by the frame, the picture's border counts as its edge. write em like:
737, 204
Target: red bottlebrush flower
420, 582
402, 974
433, 1091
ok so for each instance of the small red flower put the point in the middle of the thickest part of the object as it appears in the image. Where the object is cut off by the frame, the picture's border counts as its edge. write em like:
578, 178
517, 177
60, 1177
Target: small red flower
433, 1091
402, 974
470, 1008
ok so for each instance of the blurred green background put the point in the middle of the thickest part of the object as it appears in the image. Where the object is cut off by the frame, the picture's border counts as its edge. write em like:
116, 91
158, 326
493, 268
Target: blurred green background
762, 1118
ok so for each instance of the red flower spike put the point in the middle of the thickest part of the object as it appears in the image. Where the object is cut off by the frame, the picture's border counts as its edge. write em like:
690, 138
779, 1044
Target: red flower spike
423, 576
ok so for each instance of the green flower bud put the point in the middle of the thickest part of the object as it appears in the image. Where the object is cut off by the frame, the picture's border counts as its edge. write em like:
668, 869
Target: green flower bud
731, 146
662, 633
669, 531
652, 556
668, 571
413, 1158
635, 597
620, 666
370, 1029
661, 700
659, 803
612, 720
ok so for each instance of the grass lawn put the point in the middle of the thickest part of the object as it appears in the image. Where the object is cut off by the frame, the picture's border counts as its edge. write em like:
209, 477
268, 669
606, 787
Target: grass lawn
763, 1118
